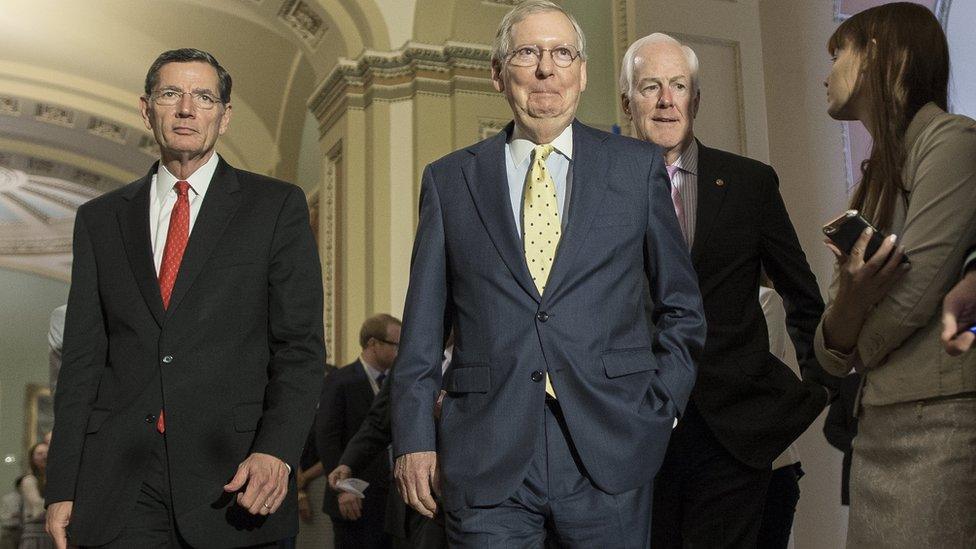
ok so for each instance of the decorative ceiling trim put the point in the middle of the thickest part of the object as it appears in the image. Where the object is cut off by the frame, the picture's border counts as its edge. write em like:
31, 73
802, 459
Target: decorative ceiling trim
65, 175
26, 206
402, 74
109, 130
53, 114
304, 21
9, 106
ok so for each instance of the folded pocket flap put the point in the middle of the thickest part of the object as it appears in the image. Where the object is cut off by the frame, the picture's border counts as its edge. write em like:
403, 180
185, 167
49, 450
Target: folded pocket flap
247, 416
629, 361
96, 419
469, 379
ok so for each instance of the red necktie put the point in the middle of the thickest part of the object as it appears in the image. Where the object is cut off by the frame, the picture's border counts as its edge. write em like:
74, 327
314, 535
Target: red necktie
176, 237
679, 208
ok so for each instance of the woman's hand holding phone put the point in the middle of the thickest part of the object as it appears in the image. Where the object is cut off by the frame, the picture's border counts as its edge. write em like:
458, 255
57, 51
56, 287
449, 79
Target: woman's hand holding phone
864, 281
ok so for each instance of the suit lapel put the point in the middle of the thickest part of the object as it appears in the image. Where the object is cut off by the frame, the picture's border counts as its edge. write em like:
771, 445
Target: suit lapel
363, 387
711, 196
590, 166
134, 224
219, 205
487, 180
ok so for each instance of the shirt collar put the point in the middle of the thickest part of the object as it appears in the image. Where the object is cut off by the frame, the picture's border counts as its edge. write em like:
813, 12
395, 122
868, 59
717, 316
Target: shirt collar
371, 370
199, 180
522, 148
688, 161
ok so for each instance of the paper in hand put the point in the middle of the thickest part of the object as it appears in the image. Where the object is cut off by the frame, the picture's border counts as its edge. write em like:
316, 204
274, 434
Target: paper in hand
353, 486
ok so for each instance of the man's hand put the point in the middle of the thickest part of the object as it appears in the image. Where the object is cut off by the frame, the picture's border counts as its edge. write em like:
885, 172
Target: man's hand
958, 314
58, 517
418, 478
267, 484
350, 506
341, 472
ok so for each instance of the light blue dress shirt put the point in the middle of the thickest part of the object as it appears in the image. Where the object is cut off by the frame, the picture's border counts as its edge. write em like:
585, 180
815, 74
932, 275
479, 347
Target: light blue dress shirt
518, 160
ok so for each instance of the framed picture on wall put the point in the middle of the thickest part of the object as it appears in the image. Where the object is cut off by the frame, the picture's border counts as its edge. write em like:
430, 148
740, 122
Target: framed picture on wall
38, 414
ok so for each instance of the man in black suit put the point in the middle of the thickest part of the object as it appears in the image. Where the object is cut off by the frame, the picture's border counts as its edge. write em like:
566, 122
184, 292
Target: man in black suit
747, 406
408, 527
193, 345
347, 396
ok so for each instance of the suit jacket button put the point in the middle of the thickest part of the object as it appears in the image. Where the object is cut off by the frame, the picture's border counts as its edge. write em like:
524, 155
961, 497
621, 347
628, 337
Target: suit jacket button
167, 359
150, 418
537, 376
543, 316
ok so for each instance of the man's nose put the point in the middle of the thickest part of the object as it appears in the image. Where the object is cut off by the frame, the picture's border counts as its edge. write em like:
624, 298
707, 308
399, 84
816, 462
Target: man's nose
546, 67
186, 106
666, 99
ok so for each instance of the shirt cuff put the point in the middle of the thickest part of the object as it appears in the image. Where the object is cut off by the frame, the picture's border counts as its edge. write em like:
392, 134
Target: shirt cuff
832, 361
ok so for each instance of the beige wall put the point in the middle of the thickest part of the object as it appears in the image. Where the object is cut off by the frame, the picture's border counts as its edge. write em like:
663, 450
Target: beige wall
25, 316
806, 148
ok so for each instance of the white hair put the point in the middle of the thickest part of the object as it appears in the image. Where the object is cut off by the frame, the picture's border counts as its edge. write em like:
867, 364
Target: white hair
630, 58
503, 38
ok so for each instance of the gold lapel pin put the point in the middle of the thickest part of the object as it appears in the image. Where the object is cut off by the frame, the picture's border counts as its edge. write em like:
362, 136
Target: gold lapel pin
720, 182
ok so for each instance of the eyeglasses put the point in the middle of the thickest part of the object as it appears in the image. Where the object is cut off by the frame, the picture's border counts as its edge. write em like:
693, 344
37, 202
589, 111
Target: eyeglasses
394, 343
169, 98
530, 56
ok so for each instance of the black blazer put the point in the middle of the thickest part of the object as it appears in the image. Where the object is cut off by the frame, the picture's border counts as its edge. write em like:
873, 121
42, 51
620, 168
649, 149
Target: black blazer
346, 399
752, 402
237, 358
373, 437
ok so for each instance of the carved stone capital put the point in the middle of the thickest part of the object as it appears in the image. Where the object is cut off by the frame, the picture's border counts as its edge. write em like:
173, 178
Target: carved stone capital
401, 74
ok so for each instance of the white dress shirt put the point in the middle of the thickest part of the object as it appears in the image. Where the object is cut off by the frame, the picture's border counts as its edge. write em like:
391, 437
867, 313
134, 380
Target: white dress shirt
162, 198
772, 306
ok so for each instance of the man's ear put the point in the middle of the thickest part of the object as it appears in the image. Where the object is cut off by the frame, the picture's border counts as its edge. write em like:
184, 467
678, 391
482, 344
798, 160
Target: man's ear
625, 104
144, 107
496, 76
225, 119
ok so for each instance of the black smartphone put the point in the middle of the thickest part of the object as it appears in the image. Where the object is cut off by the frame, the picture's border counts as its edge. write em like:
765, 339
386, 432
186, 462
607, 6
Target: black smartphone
846, 228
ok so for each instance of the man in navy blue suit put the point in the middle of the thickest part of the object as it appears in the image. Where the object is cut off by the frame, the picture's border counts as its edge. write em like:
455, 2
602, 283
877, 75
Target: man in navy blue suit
554, 253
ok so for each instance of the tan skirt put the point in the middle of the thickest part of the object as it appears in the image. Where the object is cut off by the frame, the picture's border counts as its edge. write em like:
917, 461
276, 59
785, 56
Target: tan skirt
913, 476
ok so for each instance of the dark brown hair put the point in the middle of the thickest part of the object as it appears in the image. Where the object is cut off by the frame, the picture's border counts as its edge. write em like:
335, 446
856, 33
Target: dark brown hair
905, 64
377, 327
188, 55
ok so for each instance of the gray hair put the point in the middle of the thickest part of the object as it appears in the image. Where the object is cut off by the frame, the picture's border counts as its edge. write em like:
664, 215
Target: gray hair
503, 38
627, 66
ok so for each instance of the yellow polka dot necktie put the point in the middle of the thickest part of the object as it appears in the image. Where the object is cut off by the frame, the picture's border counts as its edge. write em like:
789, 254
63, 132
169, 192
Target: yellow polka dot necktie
541, 226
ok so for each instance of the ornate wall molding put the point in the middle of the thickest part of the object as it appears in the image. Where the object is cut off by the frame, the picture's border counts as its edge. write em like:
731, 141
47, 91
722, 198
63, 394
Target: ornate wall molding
488, 127
736, 51
328, 212
402, 74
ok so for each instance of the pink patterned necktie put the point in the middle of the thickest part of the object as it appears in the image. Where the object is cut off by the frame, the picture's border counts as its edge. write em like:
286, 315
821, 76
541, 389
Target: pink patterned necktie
176, 238
679, 208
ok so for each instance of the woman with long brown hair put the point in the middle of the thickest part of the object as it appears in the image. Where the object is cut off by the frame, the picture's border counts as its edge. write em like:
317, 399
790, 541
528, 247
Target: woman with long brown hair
912, 481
